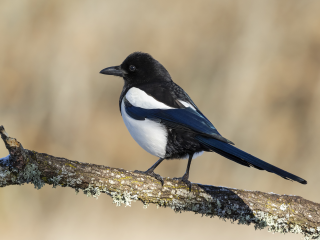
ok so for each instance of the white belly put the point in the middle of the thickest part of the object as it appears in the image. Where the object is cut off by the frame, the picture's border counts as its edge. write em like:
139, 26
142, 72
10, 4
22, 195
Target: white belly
195, 155
150, 135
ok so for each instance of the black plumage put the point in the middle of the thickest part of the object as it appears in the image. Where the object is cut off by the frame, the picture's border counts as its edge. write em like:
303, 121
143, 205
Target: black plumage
188, 131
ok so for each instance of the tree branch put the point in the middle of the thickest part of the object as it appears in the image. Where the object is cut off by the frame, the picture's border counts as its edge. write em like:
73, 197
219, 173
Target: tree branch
281, 213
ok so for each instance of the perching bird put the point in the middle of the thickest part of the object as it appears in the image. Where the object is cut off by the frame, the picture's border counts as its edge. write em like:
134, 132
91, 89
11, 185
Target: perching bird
165, 122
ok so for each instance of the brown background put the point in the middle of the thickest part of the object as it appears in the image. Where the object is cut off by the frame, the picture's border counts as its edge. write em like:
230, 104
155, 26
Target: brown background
252, 67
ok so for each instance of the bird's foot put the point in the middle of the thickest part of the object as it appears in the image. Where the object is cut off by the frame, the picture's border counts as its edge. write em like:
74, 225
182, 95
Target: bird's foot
184, 179
151, 174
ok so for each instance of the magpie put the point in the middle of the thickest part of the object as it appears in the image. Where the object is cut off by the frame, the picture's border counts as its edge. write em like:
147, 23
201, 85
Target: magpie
165, 122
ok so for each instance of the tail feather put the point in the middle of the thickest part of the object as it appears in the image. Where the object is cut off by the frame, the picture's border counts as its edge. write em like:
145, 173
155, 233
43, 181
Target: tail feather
246, 159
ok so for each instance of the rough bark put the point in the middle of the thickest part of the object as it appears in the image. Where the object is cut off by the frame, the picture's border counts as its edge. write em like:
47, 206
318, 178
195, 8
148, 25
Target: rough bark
281, 213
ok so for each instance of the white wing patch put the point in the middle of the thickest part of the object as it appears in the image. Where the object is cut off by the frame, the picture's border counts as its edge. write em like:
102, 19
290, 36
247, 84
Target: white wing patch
150, 135
187, 104
139, 98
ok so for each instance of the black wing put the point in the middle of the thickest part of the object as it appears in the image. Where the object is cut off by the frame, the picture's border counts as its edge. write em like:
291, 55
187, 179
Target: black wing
182, 118
191, 120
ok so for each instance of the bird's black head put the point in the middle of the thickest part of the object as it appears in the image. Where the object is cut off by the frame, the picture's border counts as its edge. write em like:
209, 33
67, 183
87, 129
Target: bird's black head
139, 68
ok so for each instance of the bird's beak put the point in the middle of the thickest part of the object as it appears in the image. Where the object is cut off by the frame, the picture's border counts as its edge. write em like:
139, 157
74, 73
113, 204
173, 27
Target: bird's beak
116, 71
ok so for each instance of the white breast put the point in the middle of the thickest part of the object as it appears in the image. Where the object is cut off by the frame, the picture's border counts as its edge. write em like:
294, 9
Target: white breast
150, 135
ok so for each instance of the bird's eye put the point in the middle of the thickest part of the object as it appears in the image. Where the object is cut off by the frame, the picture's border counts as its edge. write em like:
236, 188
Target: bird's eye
132, 68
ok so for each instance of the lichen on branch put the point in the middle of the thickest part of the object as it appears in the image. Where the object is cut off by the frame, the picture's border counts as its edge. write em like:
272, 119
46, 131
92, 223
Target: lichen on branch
280, 213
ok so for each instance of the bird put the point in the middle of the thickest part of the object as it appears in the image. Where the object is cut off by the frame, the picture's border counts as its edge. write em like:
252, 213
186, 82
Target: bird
165, 122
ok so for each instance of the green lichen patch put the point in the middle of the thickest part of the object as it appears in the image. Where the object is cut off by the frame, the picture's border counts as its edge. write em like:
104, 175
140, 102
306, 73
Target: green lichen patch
55, 181
70, 165
3, 174
283, 225
94, 192
124, 198
31, 174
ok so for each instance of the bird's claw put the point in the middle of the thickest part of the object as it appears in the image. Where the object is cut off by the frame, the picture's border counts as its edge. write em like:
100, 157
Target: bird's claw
151, 174
185, 180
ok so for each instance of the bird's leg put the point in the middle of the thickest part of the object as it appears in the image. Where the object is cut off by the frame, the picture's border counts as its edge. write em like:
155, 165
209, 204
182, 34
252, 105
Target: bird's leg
151, 173
185, 177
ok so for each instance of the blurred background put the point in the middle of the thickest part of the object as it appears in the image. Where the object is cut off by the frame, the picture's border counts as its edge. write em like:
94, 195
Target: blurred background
252, 67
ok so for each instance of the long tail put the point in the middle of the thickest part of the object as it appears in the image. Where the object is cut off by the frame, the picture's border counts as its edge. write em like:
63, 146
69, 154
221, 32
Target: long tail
243, 158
